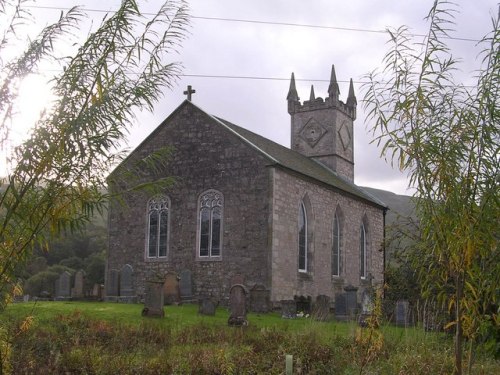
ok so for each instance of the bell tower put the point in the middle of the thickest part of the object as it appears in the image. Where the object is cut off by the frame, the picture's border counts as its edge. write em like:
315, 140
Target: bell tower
322, 129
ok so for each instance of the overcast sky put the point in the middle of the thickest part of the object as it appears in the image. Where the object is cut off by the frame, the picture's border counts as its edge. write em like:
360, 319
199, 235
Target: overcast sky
270, 53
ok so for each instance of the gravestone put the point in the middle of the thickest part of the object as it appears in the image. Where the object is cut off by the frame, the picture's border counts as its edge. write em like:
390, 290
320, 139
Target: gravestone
206, 306
97, 292
63, 286
401, 313
366, 308
351, 300
127, 281
340, 306
260, 299
303, 304
153, 299
238, 305
288, 309
171, 290
112, 284
186, 285
321, 308
77, 291
26, 298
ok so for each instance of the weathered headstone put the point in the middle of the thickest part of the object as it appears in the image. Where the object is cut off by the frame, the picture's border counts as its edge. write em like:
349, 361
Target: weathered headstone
171, 290
238, 305
97, 292
63, 286
153, 299
321, 308
288, 309
186, 285
26, 298
206, 306
260, 299
351, 300
303, 304
402, 309
113, 283
77, 291
340, 306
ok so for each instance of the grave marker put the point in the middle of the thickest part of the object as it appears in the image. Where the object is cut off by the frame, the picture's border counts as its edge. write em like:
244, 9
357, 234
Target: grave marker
260, 299
237, 305
153, 299
171, 289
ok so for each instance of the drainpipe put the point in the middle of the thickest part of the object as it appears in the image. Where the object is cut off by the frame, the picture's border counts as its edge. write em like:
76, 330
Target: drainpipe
383, 251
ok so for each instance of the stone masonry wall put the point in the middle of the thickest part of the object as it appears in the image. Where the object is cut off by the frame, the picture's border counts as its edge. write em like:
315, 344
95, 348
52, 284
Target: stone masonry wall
206, 156
288, 191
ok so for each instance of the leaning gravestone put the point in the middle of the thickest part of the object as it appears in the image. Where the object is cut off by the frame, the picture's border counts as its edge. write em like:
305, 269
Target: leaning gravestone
237, 305
63, 286
77, 291
153, 299
401, 313
321, 308
288, 309
171, 289
260, 299
340, 306
206, 306
186, 285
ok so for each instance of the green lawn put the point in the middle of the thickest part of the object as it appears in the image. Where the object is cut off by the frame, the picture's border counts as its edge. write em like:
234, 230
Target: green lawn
110, 338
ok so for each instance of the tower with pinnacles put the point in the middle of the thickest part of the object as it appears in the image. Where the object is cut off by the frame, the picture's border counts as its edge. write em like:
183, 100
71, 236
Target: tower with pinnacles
322, 129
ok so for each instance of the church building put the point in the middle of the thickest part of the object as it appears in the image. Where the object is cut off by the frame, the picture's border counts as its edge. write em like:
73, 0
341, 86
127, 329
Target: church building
244, 207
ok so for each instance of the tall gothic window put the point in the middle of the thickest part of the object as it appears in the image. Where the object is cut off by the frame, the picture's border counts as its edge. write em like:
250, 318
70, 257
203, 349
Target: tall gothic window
362, 251
210, 224
336, 251
158, 217
302, 238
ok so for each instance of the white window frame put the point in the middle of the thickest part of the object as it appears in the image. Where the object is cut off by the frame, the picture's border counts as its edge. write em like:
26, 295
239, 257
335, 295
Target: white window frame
303, 212
158, 205
211, 200
363, 252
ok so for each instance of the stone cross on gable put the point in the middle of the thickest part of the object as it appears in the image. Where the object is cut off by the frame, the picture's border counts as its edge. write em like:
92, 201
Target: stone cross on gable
189, 92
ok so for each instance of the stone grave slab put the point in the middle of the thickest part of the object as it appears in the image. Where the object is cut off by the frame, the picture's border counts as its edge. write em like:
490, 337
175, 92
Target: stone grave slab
64, 286
207, 306
186, 284
153, 299
238, 306
77, 291
341, 306
260, 299
171, 289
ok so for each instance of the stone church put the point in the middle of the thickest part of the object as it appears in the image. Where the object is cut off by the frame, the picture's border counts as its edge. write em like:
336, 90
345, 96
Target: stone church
242, 206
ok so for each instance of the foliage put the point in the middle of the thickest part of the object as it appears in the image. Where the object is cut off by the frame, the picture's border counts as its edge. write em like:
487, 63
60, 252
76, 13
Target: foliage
446, 136
56, 177
110, 338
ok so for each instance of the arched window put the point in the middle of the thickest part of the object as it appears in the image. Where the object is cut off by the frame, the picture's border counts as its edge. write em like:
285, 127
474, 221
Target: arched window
210, 224
362, 251
158, 218
336, 246
302, 238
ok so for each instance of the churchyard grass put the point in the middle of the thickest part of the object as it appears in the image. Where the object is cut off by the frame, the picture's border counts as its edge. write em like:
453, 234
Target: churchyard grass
110, 338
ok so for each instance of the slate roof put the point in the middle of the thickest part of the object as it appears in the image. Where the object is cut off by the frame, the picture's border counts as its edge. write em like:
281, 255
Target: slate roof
299, 163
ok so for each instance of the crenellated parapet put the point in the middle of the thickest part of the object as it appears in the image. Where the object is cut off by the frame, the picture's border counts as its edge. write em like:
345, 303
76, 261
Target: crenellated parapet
332, 101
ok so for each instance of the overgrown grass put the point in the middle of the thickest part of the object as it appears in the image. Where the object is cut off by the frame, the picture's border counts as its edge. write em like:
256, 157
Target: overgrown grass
107, 338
